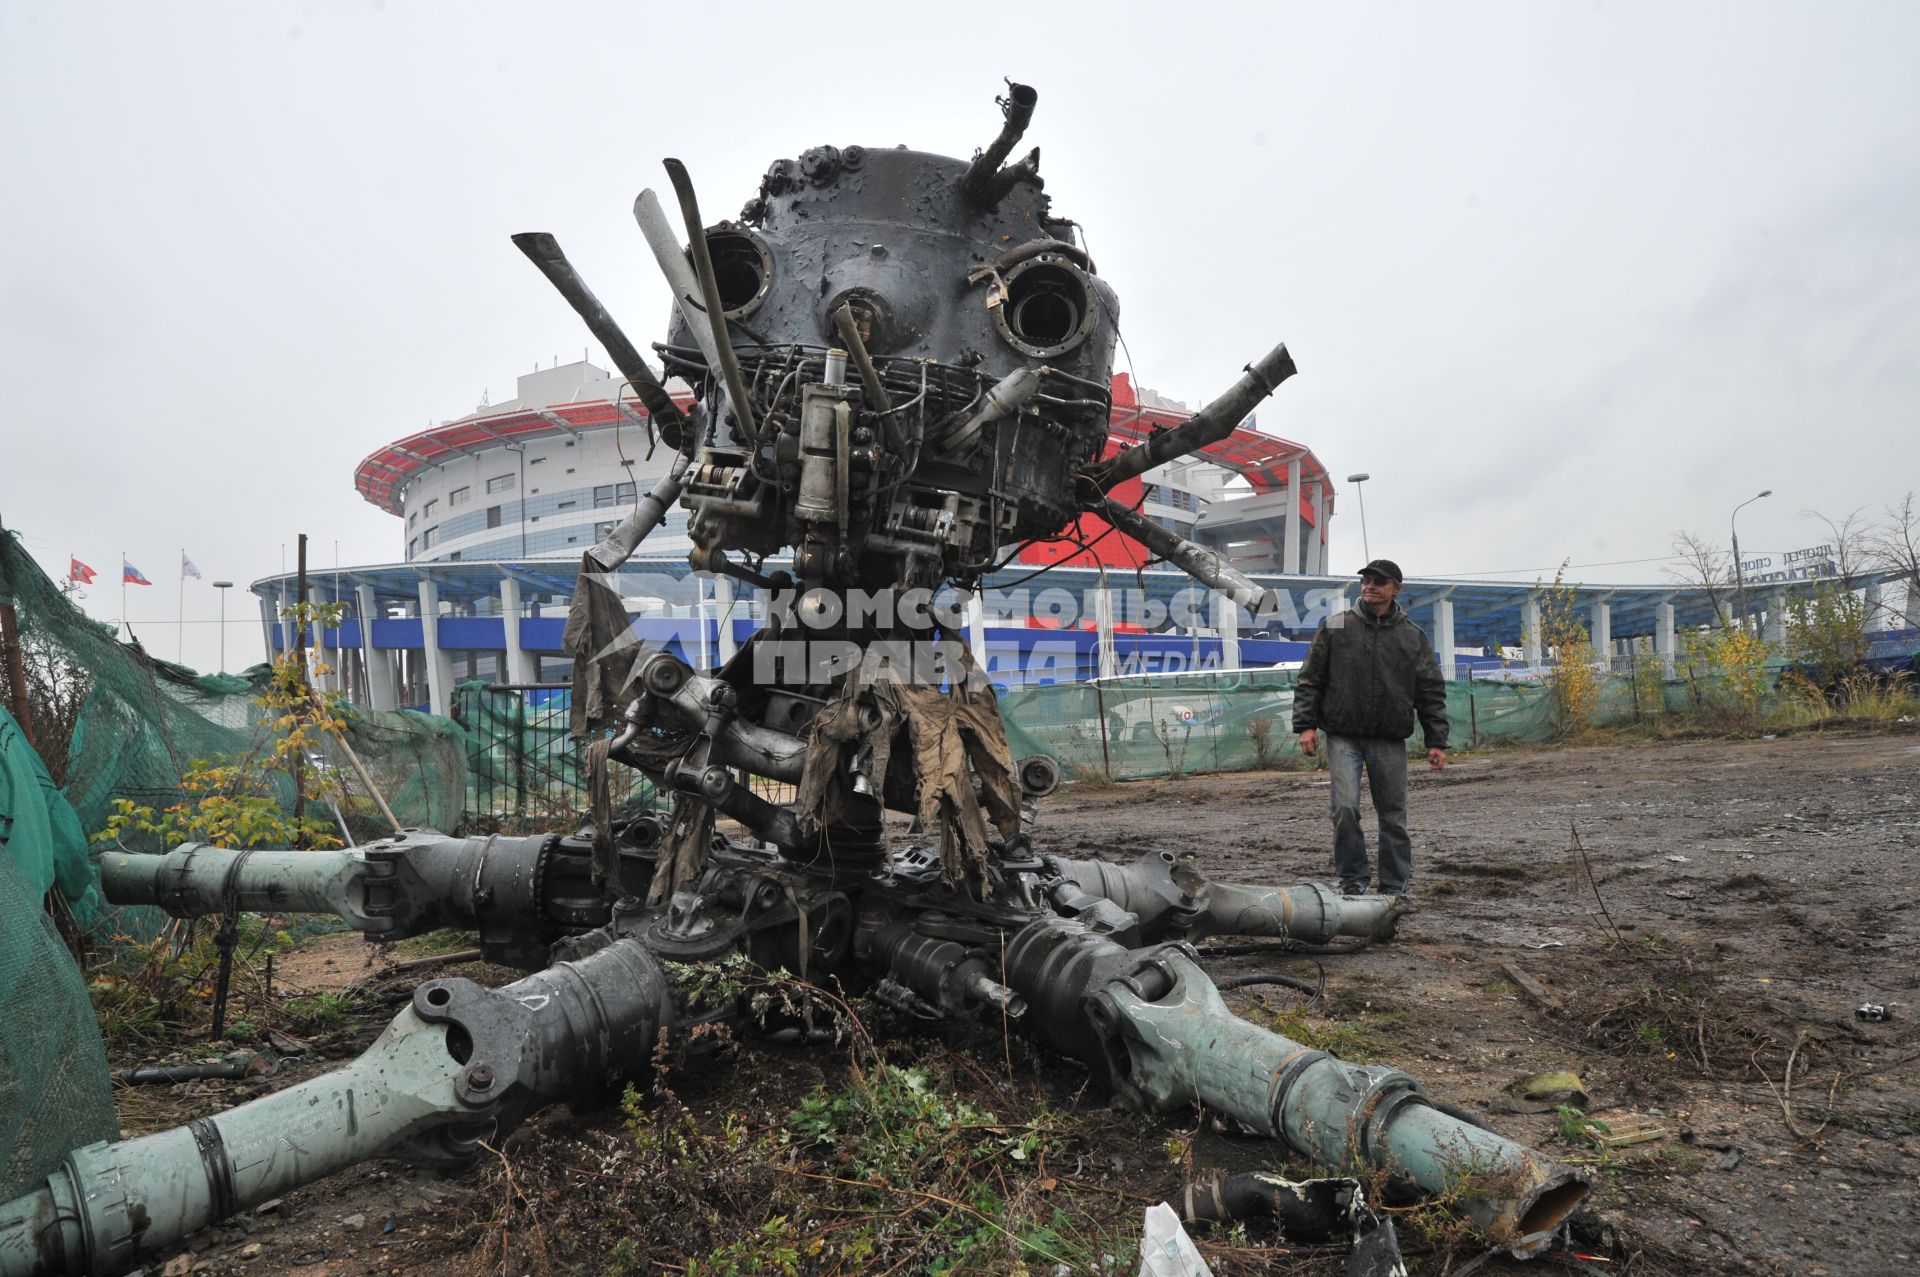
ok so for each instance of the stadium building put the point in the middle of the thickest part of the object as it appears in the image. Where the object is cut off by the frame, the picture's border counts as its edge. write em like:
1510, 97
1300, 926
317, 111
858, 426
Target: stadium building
497, 507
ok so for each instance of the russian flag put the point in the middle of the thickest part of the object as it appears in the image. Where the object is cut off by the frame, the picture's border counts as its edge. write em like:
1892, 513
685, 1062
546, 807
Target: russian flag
130, 574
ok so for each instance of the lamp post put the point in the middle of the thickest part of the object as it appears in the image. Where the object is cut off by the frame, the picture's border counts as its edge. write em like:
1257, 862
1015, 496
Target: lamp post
1356, 480
1739, 576
223, 587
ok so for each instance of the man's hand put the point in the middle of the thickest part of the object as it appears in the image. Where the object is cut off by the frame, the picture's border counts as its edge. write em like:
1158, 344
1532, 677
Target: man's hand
1436, 758
1310, 742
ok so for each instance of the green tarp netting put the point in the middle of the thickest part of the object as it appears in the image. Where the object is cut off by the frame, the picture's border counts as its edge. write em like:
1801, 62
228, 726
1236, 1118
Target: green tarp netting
54, 1090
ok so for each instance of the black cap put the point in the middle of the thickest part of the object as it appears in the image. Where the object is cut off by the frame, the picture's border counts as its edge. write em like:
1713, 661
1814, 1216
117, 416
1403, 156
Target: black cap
1384, 567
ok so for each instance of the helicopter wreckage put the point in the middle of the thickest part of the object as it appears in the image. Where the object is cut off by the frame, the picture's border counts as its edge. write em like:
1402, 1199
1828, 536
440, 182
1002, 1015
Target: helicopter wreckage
901, 363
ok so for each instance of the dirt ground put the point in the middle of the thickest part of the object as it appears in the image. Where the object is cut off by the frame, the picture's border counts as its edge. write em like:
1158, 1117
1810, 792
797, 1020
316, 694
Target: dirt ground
1700, 975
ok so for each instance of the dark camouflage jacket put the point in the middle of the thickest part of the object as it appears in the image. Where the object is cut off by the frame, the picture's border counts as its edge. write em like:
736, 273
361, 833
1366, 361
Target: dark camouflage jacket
1372, 676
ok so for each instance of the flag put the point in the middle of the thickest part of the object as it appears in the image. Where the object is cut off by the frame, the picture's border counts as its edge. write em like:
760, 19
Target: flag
78, 572
186, 567
130, 575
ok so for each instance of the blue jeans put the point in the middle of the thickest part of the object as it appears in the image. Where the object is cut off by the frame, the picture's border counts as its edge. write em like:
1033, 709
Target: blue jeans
1385, 762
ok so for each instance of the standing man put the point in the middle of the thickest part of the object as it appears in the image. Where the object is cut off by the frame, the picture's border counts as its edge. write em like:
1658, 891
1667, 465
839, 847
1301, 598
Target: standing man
1370, 672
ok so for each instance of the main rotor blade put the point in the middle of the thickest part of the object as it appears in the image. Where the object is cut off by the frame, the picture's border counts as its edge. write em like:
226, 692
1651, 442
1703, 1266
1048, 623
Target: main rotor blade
710, 293
544, 252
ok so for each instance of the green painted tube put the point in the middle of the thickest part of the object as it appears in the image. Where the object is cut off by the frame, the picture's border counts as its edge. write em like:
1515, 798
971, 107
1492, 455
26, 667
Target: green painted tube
1170, 897
193, 879
1162, 1034
461, 1064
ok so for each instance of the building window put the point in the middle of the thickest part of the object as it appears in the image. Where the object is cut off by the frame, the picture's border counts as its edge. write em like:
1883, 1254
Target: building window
413, 518
569, 444
624, 492
601, 531
493, 516
453, 556
534, 519
500, 483
429, 538
569, 468
603, 496
430, 509
458, 497
566, 505
413, 546
537, 461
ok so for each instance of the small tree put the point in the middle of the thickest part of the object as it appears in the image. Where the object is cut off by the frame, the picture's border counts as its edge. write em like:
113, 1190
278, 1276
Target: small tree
1575, 678
233, 801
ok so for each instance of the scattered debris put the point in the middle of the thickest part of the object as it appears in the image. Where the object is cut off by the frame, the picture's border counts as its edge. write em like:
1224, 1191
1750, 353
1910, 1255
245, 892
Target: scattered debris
1873, 1012
1531, 987
1543, 1093
1165, 1248
1625, 1132
1313, 1210
1679, 860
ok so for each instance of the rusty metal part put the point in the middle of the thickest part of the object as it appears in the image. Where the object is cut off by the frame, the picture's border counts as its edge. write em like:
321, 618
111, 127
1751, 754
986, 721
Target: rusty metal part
1017, 110
1210, 425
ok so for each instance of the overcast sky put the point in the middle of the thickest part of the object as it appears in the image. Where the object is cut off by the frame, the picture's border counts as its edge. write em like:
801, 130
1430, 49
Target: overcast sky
1564, 279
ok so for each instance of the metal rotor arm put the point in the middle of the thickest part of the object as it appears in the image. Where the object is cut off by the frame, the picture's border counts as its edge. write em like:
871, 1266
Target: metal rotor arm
519, 893
1156, 1026
462, 1064
1172, 900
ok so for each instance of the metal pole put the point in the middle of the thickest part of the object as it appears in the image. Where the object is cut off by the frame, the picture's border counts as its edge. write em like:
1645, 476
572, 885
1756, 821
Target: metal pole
1739, 576
300, 657
223, 587
1359, 482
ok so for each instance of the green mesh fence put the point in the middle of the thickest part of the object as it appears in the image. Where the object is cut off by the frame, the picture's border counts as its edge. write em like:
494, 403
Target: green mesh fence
1130, 728
521, 763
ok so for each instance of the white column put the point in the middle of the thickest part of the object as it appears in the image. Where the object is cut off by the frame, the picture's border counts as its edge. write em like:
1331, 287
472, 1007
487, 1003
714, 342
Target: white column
723, 616
1443, 636
1531, 644
1316, 564
1226, 619
519, 664
328, 657
703, 645
1108, 658
1601, 628
1290, 552
268, 628
1326, 532
1877, 615
1775, 633
381, 691
977, 629
1663, 634
439, 663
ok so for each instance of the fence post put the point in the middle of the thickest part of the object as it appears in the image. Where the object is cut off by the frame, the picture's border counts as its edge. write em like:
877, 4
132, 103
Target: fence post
1100, 707
519, 708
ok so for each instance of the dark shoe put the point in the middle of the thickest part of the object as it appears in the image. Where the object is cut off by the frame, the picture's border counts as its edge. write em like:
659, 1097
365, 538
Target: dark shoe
1353, 888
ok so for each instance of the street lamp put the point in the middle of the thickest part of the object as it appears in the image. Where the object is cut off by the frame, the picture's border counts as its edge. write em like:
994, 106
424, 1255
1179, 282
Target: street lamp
223, 587
1356, 480
1739, 576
